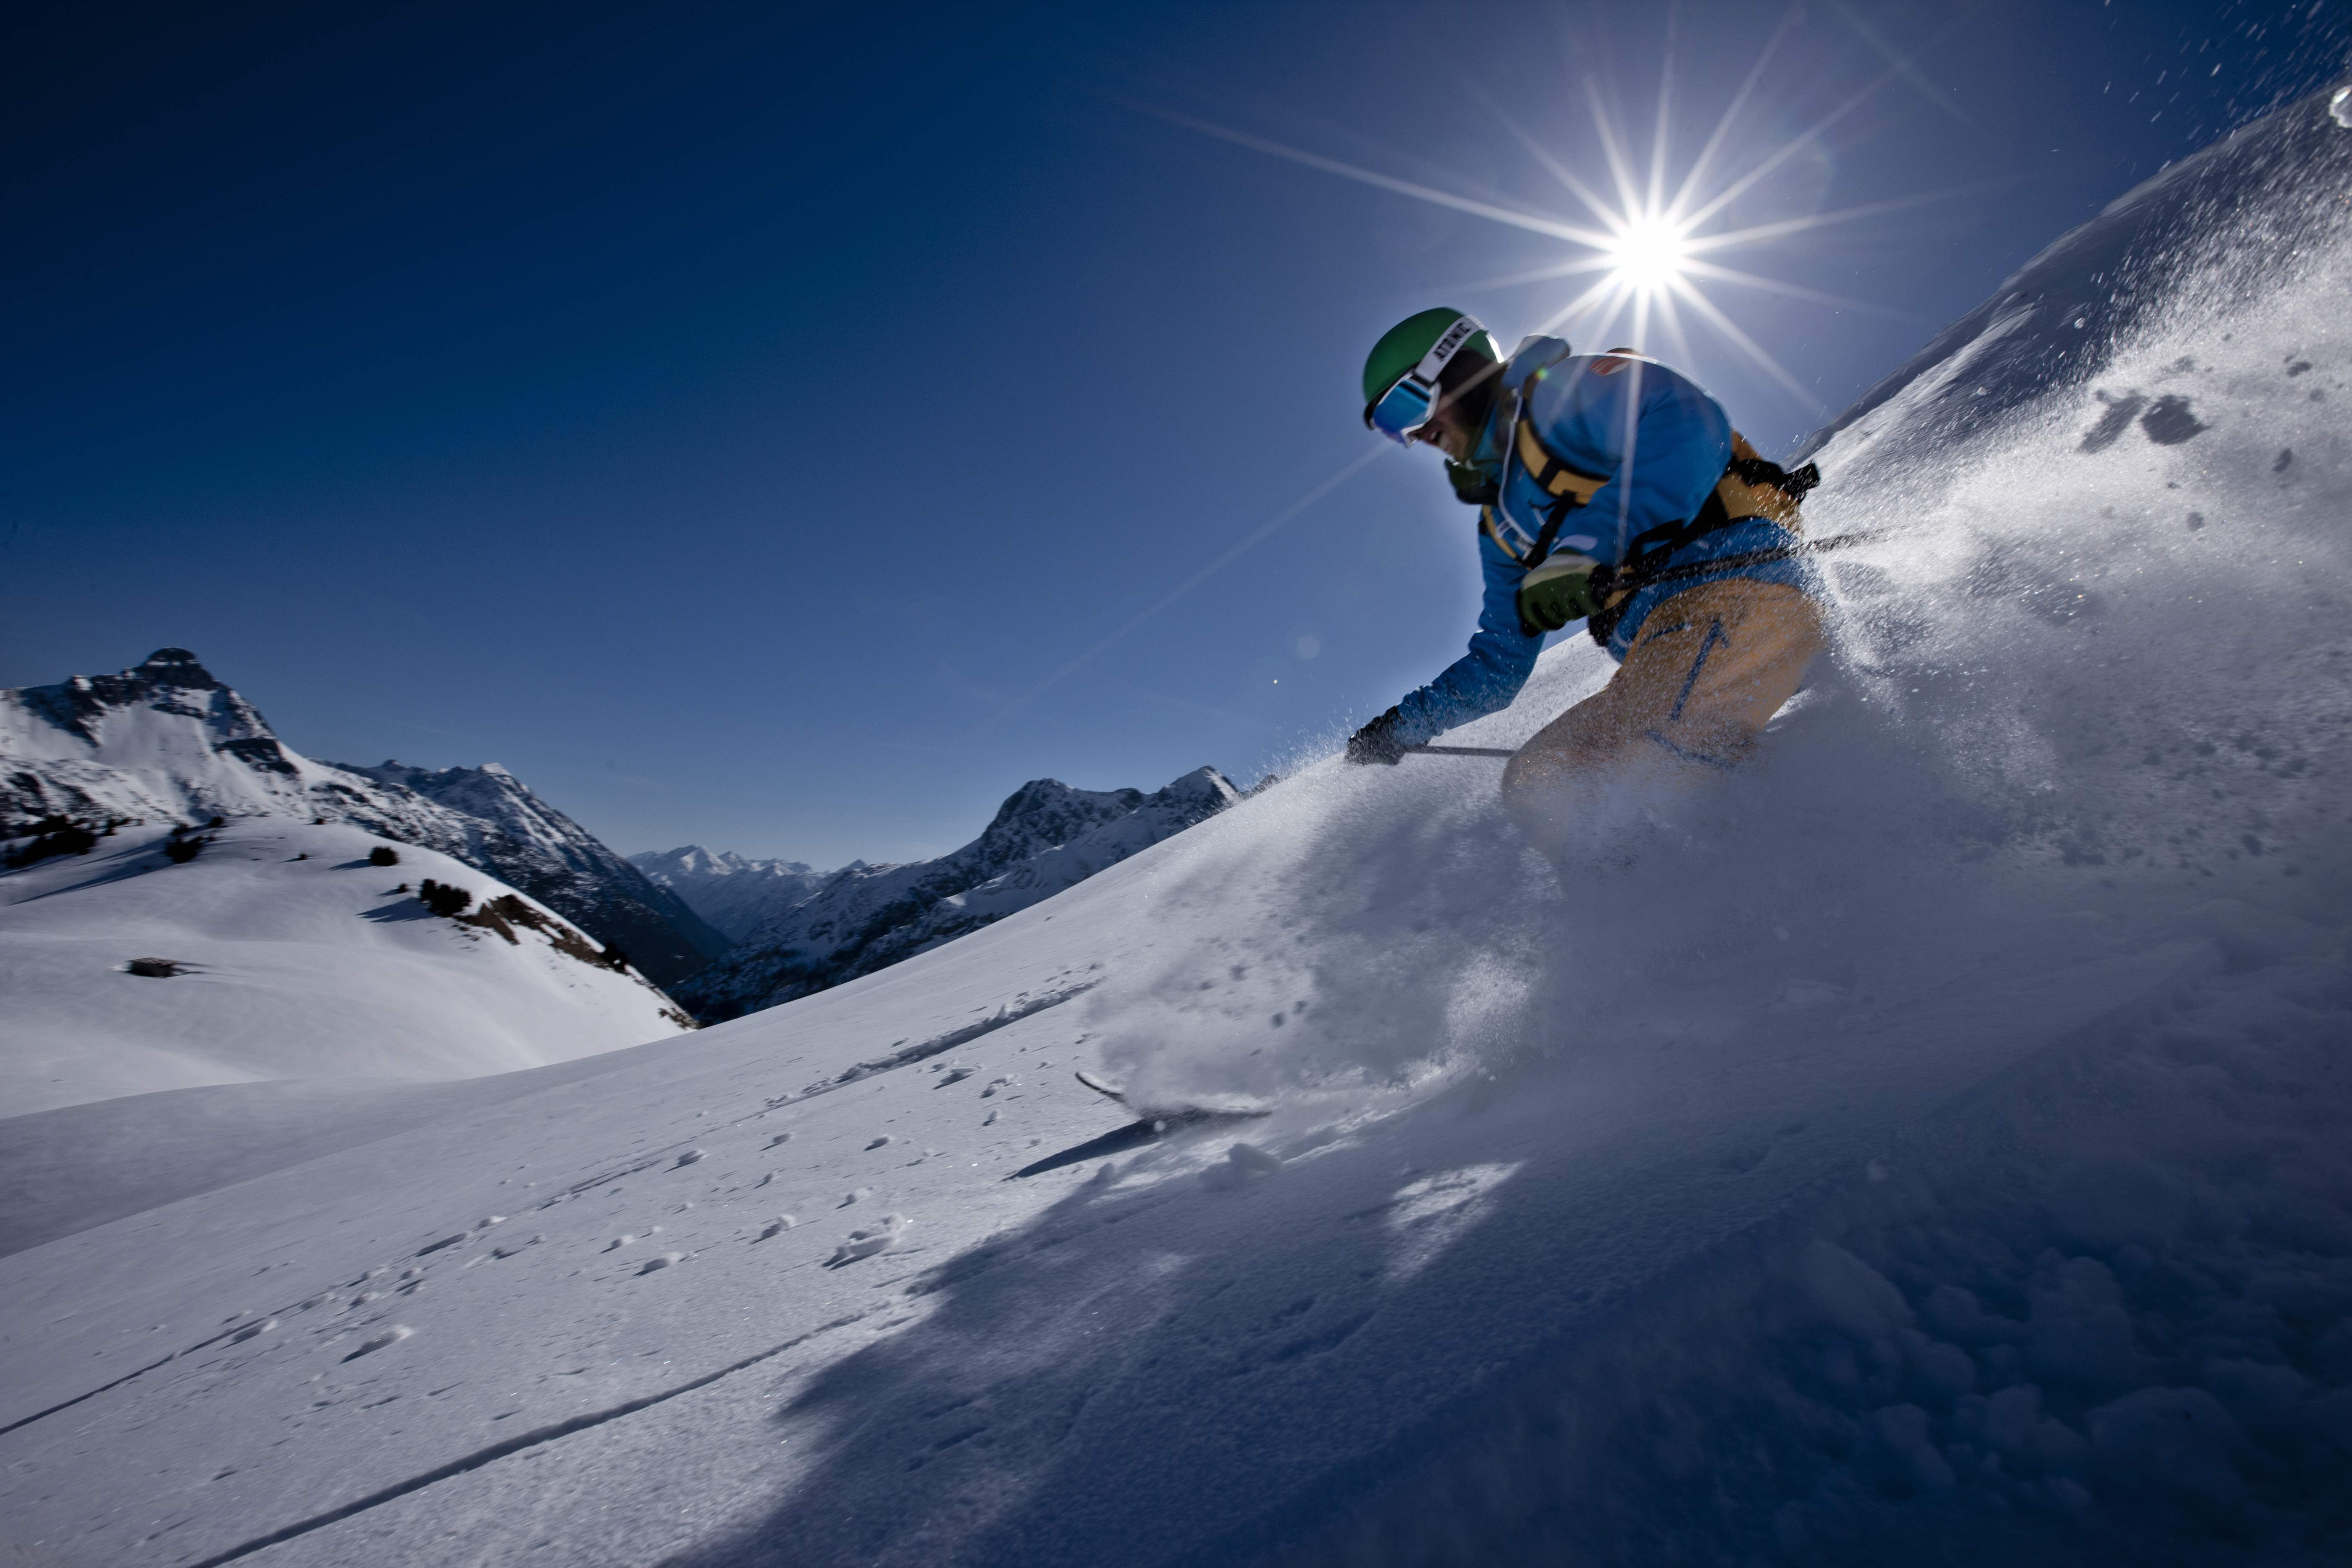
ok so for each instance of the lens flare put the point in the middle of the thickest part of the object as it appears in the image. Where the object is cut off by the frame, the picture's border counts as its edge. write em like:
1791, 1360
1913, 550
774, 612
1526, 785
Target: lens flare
1648, 254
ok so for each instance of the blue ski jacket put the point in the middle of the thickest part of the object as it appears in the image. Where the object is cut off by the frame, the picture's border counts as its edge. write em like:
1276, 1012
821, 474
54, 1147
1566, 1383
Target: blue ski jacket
1661, 442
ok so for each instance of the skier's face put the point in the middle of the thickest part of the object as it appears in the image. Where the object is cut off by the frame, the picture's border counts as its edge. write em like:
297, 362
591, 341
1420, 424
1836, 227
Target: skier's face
1445, 432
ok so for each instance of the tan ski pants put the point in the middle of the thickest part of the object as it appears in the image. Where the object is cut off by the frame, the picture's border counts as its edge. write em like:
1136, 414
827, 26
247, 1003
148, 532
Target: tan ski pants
1711, 666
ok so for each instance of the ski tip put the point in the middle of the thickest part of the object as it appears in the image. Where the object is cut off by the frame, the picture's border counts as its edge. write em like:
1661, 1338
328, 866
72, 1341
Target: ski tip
1092, 1082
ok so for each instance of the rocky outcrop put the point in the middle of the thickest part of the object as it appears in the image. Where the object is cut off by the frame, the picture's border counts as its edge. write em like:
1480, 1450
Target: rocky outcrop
510, 832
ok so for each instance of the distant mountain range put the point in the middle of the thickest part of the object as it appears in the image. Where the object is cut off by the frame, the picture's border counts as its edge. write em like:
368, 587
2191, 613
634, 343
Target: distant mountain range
1045, 836
165, 741
736, 896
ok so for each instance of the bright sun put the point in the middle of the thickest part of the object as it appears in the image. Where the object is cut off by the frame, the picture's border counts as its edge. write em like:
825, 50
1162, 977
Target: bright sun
1648, 254
1657, 244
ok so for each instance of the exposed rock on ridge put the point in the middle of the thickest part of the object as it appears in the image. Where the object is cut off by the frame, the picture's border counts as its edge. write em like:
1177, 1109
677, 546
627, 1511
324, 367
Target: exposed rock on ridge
509, 831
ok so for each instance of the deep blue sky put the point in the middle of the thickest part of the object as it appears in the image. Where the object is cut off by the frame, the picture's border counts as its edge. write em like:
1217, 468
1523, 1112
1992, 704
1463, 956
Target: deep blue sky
738, 420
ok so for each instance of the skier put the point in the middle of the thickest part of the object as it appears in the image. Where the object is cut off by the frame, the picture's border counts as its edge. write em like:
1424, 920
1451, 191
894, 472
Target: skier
1606, 485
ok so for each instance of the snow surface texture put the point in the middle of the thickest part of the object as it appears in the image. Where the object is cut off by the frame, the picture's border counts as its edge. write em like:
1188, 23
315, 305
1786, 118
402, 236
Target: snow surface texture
1928, 1145
166, 741
296, 959
735, 895
1046, 836
67, 1170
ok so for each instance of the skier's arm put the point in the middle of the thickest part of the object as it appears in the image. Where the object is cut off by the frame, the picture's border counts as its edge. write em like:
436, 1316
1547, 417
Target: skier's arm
1489, 676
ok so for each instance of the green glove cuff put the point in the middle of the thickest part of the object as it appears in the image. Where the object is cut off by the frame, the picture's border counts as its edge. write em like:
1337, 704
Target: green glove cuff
1557, 592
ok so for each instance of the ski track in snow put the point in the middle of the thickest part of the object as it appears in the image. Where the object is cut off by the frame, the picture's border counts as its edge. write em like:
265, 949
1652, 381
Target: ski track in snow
1934, 1143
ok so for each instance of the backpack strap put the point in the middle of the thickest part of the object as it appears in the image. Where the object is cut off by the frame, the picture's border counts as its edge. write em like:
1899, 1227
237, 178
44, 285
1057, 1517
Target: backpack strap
1568, 485
1751, 488
1558, 477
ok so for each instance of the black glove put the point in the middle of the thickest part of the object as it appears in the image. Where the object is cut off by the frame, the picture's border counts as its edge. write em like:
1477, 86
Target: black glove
1375, 742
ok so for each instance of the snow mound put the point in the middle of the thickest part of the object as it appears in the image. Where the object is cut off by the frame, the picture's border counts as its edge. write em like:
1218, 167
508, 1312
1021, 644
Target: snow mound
292, 957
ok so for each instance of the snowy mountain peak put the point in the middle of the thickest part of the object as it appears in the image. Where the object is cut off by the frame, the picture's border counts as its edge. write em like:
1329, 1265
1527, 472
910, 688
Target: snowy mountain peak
82, 704
1042, 813
176, 666
694, 860
1204, 786
168, 741
162, 741
736, 894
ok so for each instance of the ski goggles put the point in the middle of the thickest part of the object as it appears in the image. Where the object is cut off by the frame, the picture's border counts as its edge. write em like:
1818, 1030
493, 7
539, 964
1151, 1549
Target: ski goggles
1410, 400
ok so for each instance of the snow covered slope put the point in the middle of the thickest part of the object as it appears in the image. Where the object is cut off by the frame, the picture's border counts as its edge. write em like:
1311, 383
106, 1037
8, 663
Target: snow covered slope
736, 896
1045, 836
165, 740
298, 959
1930, 1143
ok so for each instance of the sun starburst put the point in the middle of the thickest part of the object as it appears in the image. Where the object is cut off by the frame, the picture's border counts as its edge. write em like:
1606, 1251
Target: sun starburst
1657, 245
1647, 254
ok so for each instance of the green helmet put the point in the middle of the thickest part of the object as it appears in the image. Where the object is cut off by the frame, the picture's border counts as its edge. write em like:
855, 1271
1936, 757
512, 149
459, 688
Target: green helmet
1401, 347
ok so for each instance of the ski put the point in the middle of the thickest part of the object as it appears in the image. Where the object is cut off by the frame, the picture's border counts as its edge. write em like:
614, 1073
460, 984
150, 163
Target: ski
1092, 1082
1152, 1126
1174, 1116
